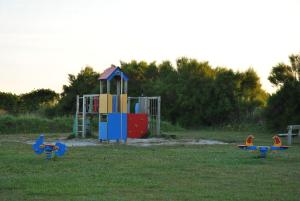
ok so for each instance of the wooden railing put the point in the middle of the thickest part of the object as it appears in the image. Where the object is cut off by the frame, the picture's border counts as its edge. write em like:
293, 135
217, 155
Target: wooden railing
290, 132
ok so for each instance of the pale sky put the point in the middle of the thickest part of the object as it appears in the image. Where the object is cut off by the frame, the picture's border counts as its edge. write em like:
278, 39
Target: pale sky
42, 41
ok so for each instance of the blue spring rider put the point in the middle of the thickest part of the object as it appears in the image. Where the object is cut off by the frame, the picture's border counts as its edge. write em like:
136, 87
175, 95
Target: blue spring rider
50, 150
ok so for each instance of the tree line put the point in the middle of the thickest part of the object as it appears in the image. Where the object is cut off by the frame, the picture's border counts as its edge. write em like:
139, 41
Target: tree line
36, 101
193, 93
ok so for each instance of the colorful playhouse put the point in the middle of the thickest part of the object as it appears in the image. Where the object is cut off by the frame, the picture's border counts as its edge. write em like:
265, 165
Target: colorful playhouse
119, 116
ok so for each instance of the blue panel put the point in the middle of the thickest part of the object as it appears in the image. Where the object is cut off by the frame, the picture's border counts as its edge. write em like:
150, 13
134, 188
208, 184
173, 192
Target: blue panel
37, 146
103, 131
114, 104
116, 129
137, 108
263, 151
279, 148
62, 148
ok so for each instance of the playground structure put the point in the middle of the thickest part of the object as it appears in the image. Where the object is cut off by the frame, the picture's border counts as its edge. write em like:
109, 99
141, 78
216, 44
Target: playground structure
263, 150
119, 116
51, 150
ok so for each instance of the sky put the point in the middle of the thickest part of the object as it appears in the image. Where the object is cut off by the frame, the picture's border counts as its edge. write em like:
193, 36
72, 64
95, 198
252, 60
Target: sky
42, 41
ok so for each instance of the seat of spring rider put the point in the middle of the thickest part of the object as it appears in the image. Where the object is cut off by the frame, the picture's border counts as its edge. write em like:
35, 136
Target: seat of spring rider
137, 125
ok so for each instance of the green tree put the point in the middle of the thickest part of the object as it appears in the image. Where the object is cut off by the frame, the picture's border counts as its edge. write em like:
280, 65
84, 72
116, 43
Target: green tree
9, 102
283, 107
224, 104
252, 97
282, 73
37, 99
195, 94
195, 82
86, 82
136, 73
165, 86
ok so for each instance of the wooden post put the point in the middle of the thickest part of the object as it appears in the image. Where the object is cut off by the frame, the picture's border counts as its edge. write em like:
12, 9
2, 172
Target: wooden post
158, 116
76, 116
128, 106
83, 116
290, 129
101, 87
119, 87
107, 86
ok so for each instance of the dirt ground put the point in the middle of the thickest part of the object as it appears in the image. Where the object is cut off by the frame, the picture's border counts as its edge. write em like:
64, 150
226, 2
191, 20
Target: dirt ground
136, 142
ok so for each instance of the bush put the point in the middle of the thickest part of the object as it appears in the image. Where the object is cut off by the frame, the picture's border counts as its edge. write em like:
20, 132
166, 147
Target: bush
166, 126
10, 124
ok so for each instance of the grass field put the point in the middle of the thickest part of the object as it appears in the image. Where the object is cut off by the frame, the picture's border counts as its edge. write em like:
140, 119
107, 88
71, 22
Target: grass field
121, 172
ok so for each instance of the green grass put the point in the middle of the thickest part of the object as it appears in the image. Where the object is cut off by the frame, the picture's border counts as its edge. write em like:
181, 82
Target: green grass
121, 172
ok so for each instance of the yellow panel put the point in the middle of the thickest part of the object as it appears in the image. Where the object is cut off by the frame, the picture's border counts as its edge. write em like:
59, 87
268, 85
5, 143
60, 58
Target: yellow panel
123, 103
105, 105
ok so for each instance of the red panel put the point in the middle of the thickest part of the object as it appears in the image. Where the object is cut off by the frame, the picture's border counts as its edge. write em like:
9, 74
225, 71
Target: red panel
95, 104
137, 125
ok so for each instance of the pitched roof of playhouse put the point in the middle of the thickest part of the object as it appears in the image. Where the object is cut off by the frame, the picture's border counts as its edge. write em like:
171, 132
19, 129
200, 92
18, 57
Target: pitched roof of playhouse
111, 72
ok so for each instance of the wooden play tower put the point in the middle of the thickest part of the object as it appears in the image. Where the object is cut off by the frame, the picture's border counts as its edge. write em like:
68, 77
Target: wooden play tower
119, 116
